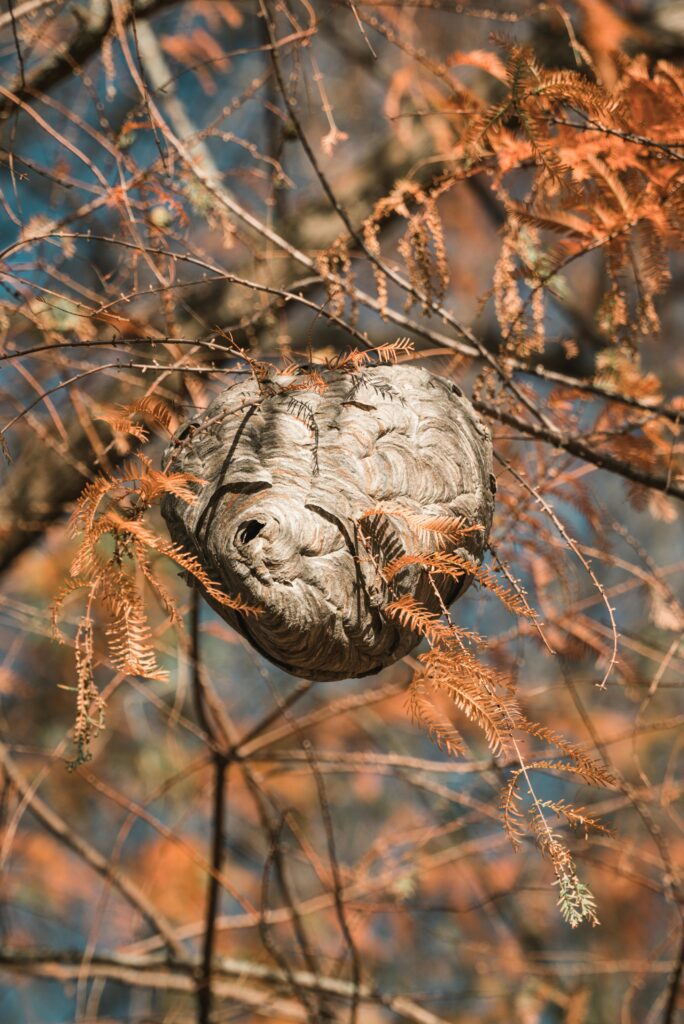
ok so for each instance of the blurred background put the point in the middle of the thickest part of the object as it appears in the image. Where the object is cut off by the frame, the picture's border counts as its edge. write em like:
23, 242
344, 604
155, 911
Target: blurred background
187, 186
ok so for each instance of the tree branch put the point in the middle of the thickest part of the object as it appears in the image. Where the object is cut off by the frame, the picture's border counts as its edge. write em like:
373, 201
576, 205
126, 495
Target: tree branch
94, 24
97, 861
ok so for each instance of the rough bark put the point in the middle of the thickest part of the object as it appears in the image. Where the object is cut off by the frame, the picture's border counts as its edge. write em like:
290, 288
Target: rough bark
288, 472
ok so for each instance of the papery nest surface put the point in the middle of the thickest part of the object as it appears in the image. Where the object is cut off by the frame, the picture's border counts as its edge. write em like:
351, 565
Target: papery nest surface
313, 484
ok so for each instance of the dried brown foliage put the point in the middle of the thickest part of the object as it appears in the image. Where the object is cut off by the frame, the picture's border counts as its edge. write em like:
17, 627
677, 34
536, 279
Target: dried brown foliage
192, 190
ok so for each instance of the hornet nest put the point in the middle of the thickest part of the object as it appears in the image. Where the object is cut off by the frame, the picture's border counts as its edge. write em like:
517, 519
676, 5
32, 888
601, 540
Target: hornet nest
313, 481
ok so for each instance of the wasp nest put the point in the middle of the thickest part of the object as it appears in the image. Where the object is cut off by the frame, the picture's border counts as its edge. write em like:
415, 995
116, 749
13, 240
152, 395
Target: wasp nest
311, 485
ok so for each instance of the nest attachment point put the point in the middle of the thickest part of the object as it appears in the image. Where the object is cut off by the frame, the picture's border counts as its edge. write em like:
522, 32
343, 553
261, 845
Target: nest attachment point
312, 485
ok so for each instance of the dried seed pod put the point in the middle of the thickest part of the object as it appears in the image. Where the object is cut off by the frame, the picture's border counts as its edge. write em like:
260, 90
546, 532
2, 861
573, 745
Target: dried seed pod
313, 485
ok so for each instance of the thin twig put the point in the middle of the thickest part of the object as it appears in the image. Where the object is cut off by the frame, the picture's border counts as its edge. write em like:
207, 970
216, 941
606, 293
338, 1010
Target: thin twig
675, 981
102, 865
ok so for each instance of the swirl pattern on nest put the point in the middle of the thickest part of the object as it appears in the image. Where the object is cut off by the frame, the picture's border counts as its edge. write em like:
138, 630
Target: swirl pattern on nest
288, 471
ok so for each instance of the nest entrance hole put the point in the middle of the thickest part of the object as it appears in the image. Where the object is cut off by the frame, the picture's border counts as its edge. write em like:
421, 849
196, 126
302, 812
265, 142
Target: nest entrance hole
249, 529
